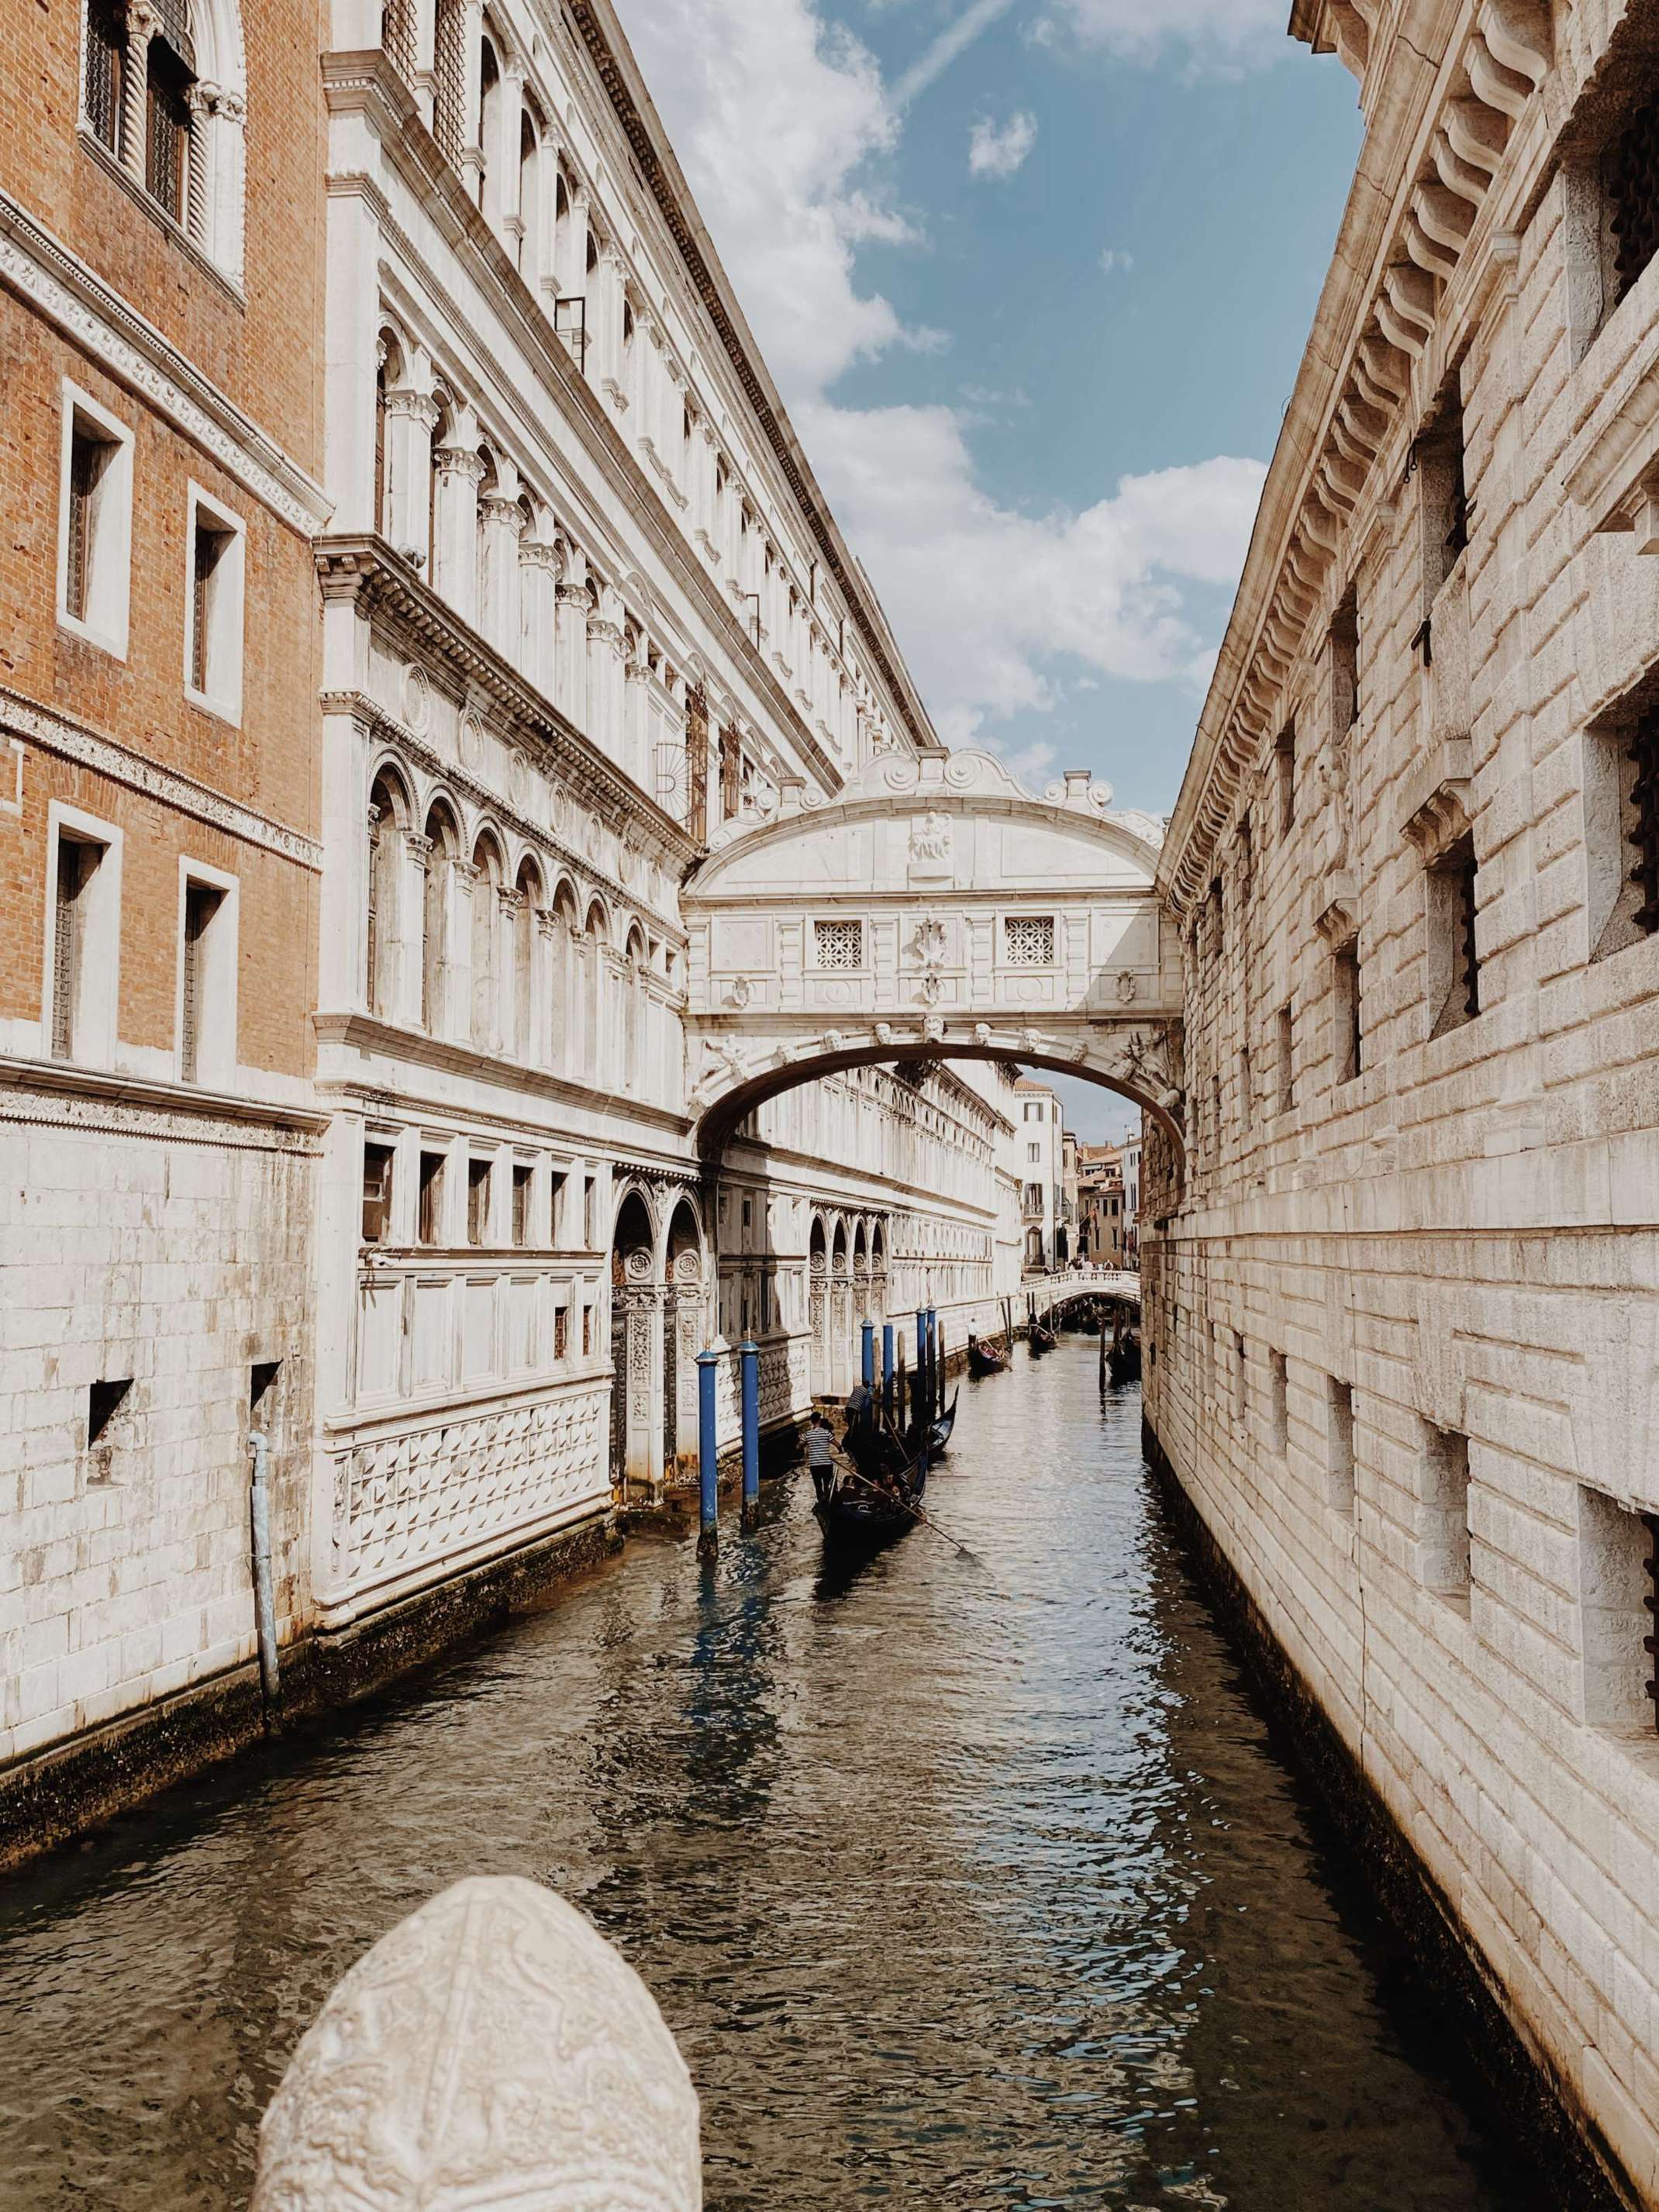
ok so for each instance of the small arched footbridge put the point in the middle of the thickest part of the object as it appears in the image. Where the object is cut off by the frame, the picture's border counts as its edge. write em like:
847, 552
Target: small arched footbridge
933, 909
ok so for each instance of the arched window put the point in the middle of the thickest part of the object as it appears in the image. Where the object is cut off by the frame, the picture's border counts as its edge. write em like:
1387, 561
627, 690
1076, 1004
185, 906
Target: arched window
388, 819
486, 929
597, 943
444, 838
560, 229
486, 484
633, 1014
530, 199
563, 1017
440, 435
490, 124
389, 374
526, 922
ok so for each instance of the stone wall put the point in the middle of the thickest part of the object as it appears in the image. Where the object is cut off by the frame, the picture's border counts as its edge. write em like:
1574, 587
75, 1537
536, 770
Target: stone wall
1404, 1304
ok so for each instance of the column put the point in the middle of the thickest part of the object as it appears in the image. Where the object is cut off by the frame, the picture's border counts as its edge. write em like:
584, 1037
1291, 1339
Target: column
410, 418
509, 904
605, 301
472, 153
642, 1349
501, 525
547, 954
637, 715
405, 1003
460, 470
457, 991
574, 605
538, 611
505, 153
605, 672
143, 23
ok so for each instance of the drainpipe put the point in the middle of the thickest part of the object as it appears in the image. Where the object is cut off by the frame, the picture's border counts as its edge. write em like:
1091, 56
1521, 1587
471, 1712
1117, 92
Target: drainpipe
264, 1588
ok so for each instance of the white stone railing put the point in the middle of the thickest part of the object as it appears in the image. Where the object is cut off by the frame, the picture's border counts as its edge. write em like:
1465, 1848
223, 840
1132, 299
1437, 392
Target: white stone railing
492, 2050
1082, 1283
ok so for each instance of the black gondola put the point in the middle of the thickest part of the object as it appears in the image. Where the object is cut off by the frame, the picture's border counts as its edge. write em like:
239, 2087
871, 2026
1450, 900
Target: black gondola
859, 1514
981, 1363
1041, 1338
939, 1435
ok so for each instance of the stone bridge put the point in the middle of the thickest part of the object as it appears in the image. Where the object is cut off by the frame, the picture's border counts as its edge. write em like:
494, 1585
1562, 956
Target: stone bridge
933, 909
1052, 1293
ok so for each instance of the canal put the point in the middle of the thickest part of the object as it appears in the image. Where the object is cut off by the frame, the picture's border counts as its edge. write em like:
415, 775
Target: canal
966, 1882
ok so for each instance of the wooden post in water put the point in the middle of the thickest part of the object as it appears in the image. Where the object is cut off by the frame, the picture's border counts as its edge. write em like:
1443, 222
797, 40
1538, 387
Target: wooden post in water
1102, 1351
887, 1369
751, 1358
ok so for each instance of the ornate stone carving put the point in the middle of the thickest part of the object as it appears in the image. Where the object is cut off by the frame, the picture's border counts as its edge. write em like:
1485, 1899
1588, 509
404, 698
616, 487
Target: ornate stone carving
492, 2051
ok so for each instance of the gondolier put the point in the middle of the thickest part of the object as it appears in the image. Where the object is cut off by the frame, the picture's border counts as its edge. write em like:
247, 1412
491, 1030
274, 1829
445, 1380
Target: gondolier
821, 1456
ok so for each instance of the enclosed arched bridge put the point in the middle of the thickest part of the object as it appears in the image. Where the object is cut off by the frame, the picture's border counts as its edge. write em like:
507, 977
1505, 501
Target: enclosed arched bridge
933, 909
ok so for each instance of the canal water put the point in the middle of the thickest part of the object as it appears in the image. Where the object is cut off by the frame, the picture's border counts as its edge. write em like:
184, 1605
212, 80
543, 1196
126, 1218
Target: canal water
963, 1882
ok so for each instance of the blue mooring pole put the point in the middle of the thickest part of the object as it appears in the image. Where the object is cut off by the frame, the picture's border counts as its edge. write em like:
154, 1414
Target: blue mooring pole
709, 1535
935, 1390
751, 1354
919, 1398
869, 1366
887, 1369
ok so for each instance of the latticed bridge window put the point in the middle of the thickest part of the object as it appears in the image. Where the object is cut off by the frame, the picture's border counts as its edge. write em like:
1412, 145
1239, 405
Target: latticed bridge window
399, 38
838, 944
1632, 185
1028, 940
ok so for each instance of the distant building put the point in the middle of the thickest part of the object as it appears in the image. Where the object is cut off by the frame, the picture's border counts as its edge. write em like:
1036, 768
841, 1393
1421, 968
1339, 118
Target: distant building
1039, 1140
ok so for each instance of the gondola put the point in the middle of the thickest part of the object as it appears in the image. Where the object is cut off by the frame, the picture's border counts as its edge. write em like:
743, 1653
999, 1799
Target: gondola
1123, 1359
1041, 1338
939, 1435
981, 1363
858, 1516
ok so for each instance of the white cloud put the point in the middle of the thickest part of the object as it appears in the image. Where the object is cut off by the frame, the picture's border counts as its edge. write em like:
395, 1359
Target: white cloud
998, 153
977, 17
1114, 260
1230, 32
781, 122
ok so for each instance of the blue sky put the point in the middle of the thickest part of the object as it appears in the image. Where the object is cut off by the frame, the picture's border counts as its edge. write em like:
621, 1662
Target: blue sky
1035, 277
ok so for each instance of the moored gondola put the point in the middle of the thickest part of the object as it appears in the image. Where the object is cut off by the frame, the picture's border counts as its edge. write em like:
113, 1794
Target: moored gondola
983, 1361
939, 1435
862, 1514
1041, 1338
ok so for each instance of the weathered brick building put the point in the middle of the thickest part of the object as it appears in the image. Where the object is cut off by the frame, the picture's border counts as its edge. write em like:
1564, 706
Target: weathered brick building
160, 287
1405, 1307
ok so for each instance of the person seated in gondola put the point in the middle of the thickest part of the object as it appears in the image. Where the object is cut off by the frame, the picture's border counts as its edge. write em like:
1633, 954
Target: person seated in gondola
821, 1455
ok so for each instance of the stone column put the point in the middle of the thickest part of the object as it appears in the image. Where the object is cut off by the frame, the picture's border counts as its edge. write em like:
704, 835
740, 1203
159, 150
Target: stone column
545, 956
506, 153
455, 557
457, 994
575, 606
143, 24
642, 1349
605, 678
605, 301
410, 418
509, 904
501, 525
412, 909
637, 715
539, 567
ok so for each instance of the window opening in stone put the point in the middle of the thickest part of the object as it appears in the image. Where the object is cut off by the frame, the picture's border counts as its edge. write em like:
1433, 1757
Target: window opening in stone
430, 1210
398, 36
215, 615
91, 455
1284, 776
107, 70
449, 59
1641, 813
1339, 1445
202, 903
1616, 1551
1633, 185
168, 83
1452, 911
838, 945
1345, 1011
1445, 1532
1246, 1089
377, 1192
561, 1332
263, 1378
1287, 1060
1279, 1401
104, 1401
478, 1200
78, 864
1028, 940
522, 1188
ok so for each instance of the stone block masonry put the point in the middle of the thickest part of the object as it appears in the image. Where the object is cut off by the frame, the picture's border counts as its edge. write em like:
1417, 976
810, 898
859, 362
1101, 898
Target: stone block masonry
1402, 1295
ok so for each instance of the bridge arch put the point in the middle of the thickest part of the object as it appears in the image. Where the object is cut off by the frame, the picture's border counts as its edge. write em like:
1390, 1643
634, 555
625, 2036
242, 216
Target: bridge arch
933, 910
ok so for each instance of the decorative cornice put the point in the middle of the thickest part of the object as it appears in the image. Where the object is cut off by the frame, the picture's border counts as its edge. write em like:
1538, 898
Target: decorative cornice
62, 289
69, 1096
53, 733
606, 47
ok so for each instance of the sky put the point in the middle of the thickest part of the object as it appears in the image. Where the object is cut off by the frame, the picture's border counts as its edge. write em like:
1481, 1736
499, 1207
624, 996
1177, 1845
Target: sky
1034, 278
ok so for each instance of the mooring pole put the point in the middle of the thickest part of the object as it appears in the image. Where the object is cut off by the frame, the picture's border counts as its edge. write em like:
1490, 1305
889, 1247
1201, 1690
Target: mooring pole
708, 1534
887, 1369
1103, 1352
939, 1367
902, 1380
919, 1396
750, 1356
869, 1365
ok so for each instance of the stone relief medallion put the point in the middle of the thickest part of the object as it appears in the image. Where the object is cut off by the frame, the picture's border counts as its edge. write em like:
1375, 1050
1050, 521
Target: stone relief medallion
559, 813
636, 1266
741, 993
838, 994
417, 699
518, 778
472, 739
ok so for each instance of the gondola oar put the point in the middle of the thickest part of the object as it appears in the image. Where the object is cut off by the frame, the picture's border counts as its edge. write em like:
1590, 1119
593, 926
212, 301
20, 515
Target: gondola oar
922, 1518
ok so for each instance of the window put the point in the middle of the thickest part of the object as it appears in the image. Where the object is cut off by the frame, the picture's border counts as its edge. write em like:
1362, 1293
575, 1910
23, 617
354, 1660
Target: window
1284, 776
1617, 1591
1444, 1551
377, 1192
95, 523
1278, 1402
1028, 940
1286, 1071
1034, 1153
83, 947
1454, 970
561, 1332
1246, 1089
430, 1209
105, 89
263, 1394
168, 79
1346, 1041
107, 1404
1631, 174
731, 775
77, 862
523, 1181
213, 608
203, 905
1033, 1113
587, 1331
837, 945
589, 1236
1443, 498
449, 58
1338, 1445
1621, 833
1238, 1376
477, 1201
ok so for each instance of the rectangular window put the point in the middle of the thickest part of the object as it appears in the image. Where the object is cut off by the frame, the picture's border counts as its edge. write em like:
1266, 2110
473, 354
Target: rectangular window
105, 77
1338, 1445
78, 861
95, 523
1442, 499
1621, 833
168, 83
1631, 170
1034, 1153
1617, 1591
477, 1201
430, 1211
523, 1182
1346, 1046
1287, 1070
1445, 1532
1284, 776
589, 1205
588, 1332
265, 1395
1344, 662
377, 1193
1238, 1368
837, 945
1278, 1402
1028, 940
203, 902
1454, 974
104, 1401
213, 611
561, 1332
1246, 1089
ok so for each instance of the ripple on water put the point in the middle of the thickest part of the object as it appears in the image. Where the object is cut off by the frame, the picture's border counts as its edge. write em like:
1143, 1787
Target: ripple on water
963, 1883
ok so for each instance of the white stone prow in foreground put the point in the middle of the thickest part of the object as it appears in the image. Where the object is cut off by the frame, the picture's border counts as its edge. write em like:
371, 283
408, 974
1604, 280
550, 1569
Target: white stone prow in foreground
493, 2049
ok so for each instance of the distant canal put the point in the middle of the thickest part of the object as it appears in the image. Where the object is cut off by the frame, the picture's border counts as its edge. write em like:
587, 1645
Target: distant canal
966, 1883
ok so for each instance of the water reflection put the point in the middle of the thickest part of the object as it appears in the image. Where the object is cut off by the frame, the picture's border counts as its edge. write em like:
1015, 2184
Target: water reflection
962, 1881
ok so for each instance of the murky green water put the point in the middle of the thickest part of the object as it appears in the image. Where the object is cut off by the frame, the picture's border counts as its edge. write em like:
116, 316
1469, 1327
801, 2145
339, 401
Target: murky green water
963, 1883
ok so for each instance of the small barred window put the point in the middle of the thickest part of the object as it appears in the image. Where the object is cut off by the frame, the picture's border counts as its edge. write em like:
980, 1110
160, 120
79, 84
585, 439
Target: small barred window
838, 944
1028, 940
